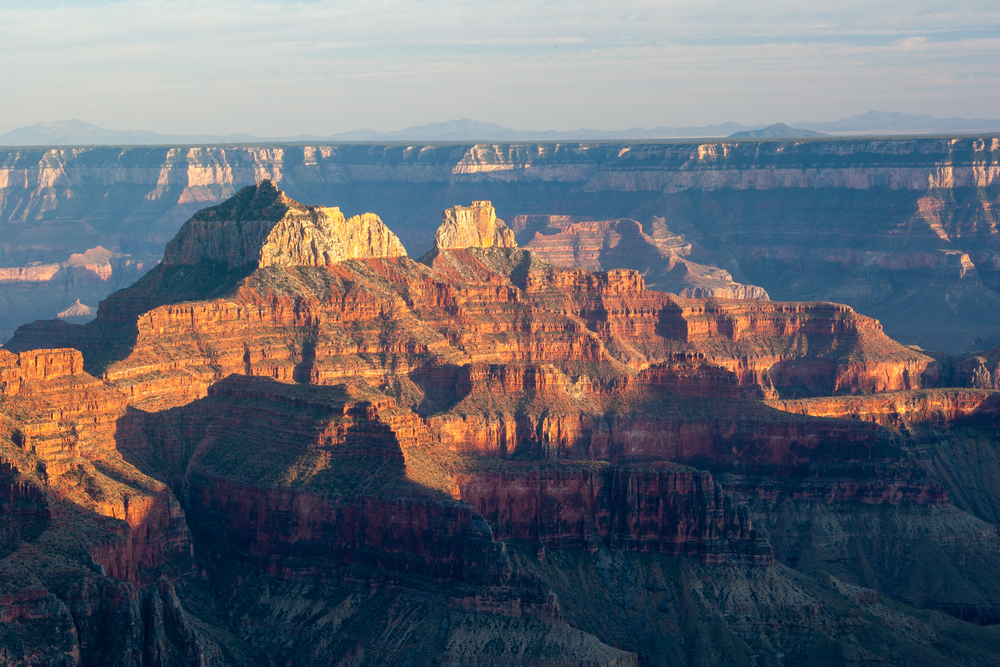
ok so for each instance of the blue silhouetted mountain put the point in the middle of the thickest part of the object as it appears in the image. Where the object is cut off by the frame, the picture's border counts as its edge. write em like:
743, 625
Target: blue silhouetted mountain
776, 131
880, 122
78, 133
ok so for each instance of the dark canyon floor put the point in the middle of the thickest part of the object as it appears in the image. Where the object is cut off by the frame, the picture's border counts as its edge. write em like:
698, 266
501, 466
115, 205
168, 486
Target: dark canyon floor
290, 443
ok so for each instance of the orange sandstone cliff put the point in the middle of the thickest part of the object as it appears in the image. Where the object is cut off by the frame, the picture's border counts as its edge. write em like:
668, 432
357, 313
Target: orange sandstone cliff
441, 459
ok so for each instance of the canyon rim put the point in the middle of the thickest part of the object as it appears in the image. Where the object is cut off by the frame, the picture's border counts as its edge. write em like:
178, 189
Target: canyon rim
526, 404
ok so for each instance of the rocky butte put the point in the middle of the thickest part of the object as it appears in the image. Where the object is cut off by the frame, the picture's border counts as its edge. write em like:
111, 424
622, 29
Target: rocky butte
291, 443
269, 229
665, 259
473, 226
901, 229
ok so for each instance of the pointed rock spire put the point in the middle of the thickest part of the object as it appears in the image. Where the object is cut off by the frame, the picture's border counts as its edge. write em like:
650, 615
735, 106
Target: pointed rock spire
77, 310
475, 226
261, 226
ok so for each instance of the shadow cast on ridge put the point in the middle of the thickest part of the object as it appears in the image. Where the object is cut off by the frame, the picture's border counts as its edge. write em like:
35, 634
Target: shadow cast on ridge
112, 336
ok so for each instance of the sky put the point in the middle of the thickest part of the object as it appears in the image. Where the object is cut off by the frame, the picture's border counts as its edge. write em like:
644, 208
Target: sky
290, 68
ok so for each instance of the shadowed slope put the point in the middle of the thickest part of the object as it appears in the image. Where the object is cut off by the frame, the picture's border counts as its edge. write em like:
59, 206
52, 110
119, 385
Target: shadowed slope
417, 456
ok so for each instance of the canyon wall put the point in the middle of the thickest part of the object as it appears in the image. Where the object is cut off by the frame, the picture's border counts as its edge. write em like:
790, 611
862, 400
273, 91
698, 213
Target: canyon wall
934, 407
480, 458
667, 261
801, 220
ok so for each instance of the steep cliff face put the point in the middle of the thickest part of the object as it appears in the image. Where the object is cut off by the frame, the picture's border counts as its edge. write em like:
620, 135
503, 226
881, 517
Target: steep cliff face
653, 507
664, 259
364, 481
62, 424
262, 227
980, 370
794, 217
329, 485
475, 226
439, 461
493, 307
69, 590
941, 407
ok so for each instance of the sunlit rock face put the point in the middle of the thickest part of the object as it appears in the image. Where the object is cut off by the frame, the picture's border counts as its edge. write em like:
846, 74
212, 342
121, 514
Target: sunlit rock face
261, 227
475, 226
902, 230
480, 458
667, 261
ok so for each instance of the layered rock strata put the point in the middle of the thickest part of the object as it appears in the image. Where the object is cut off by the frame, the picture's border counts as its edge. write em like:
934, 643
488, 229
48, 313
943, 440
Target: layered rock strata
413, 445
653, 507
940, 407
81, 527
666, 260
475, 226
42, 290
61, 423
495, 307
362, 480
924, 247
262, 227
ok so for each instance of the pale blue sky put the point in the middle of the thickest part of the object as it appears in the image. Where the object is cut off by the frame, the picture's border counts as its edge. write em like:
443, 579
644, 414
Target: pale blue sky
285, 68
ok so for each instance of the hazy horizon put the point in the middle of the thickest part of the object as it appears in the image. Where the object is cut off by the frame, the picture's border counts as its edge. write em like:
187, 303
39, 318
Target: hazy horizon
321, 68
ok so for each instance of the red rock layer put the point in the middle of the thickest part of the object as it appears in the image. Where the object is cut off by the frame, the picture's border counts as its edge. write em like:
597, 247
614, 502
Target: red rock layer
63, 413
509, 327
941, 407
381, 319
388, 503
540, 411
418, 536
61, 421
524, 360
652, 507
770, 332
283, 470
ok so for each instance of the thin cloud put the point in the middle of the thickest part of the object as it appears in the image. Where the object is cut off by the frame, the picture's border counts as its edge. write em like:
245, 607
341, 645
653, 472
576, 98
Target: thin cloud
321, 67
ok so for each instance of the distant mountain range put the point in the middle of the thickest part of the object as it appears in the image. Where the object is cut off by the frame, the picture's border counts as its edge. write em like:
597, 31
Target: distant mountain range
777, 131
901, 123
76, 132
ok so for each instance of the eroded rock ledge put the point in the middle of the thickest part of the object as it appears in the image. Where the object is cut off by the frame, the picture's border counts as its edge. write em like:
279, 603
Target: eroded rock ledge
262, 227
454, 432
475, 226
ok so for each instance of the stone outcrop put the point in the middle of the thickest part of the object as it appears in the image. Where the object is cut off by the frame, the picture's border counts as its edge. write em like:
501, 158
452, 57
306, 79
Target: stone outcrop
94, 263
60, 421
261, 227
506, 314
475, 226
65, 413
48, 290
77, 310
666, 260
665, 508
374, 487
100, 621
933, 407
746, 208
436, 458
980, 370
